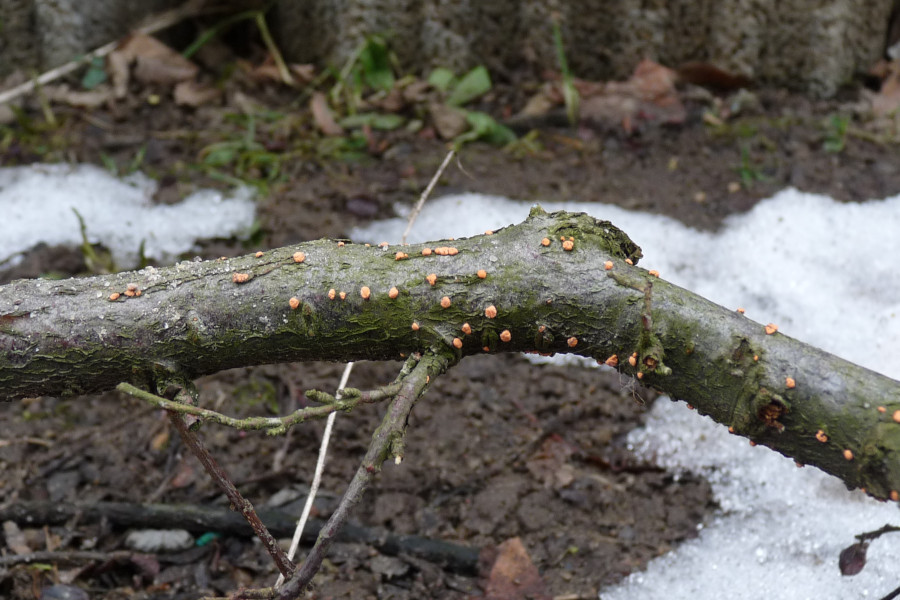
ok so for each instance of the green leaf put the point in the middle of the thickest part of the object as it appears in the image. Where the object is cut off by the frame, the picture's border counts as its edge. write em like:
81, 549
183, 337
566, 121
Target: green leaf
95, 74
485, 127
442, 79
376, 65
473, 84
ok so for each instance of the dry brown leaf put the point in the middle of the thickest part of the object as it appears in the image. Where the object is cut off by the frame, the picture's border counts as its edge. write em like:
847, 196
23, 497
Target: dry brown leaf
887, 100
184, 476
304, 73
513, 576
449, 121
118, 65
417, 91
15, 538
649, 95
318, 104
82, 99
154, 61
550, 465
192, 93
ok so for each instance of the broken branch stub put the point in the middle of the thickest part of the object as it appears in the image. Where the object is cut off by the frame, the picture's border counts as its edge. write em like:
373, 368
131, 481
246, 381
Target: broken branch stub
505, 292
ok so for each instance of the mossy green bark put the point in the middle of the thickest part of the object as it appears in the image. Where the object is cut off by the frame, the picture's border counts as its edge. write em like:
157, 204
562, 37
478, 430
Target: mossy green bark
68, 337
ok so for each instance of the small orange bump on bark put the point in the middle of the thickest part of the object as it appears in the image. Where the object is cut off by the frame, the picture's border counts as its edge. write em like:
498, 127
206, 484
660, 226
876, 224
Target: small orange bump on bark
383, 245
632, 360
240, 277
401, 256
466, 329
129, 293
654, 272
894, 495
741, 310
343, 295
365, 292
295, 303
562, 238
452, 251
790, 383
896, 416
457, 343
848, 454
690, 407
415, 326
731, 430
489, 232
258, 255
608, 265
481, 273
755, 358
771, 328
628, 261
340, 244
331, 294
640, 375
505, 335
114, 296
490, 312
138, 292
431, 279
568, 245
799, 464
572, 341
393, 293
445, 302
486, 348
545, 242
542, 329
882, 409
612, 361
821, 436
426, 251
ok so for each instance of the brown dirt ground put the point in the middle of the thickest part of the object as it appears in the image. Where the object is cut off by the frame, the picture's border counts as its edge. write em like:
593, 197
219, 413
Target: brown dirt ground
498, 448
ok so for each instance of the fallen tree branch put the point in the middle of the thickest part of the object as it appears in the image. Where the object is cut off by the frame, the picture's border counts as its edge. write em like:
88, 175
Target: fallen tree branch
520, 289
203, 519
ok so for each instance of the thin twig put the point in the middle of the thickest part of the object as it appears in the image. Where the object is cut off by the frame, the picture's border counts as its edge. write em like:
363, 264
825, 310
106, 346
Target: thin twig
239, 503
159, 22
387, 441
317, 476
272, 425
418, 208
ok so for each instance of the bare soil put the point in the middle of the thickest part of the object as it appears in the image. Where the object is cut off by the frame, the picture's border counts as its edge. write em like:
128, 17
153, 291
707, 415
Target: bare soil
499, 448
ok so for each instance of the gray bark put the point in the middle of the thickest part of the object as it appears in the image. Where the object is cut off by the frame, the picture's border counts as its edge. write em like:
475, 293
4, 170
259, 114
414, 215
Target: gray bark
69, 337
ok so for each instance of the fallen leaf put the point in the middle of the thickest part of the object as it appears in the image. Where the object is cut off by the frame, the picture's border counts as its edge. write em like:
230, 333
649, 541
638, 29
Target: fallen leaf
184, 477
710, 76
449, 122
82, 99
887, 100
192, 93
318, 104
15, 539
649, 95
513, 576
154, 62
550, 465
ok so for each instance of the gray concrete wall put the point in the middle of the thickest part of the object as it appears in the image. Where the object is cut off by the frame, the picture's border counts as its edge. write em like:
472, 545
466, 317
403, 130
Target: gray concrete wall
808, 45
812, 46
